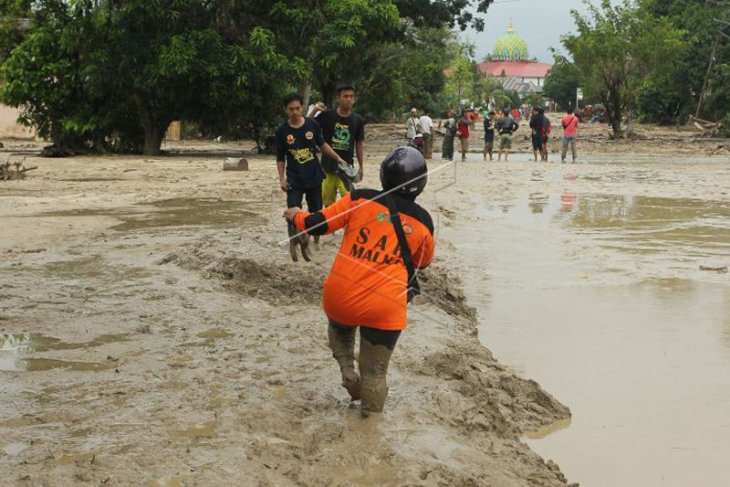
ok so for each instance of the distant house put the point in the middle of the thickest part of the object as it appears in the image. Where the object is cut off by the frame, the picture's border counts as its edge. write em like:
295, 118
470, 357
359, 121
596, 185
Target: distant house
510, 61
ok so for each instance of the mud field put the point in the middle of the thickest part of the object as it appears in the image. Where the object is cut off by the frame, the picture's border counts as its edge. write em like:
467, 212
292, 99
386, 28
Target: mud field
155, 332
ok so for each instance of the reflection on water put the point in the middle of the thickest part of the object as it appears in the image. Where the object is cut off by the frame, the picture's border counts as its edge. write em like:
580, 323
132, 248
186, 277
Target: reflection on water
15, 348
644, 224
584, 298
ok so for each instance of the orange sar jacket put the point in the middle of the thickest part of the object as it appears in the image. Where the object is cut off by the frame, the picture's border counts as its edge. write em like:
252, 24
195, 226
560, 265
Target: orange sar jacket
367, 283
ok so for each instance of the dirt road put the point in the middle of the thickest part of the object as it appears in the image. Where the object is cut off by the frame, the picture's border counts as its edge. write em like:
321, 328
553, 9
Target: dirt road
155, 332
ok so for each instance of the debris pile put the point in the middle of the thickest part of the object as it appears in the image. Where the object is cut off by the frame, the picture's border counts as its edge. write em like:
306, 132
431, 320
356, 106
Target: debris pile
13, 170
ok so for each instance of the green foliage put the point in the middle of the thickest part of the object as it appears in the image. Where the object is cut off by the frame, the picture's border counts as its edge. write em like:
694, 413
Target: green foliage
562, 82
616, 49
440, 13
674, 95
111, 75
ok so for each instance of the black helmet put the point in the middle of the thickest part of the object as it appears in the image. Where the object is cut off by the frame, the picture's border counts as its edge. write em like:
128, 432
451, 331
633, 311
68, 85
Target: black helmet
404, 171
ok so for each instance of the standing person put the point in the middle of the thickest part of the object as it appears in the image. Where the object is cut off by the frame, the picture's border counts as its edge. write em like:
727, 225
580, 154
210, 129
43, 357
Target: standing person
463, 127
296, 140
344, 130
426, 125
450, 129
489, 135
371, 278
570, 133
536, 123
506, 127
547, 129
412, 124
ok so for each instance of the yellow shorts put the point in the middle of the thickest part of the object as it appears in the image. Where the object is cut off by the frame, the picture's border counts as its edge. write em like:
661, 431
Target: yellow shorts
332, 185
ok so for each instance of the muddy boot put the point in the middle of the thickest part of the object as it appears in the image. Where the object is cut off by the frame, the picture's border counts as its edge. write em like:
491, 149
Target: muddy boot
342, 343
373, 369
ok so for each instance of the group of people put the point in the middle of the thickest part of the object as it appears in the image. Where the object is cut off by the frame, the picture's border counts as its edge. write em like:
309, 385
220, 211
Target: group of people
387, 235
500, 125
338, 133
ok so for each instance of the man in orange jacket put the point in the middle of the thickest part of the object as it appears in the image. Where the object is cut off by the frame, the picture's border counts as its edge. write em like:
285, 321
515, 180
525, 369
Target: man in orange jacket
367, 287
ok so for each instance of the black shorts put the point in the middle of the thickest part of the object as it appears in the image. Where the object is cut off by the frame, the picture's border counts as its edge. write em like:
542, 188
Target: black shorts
537, 142
386, 338
313, 195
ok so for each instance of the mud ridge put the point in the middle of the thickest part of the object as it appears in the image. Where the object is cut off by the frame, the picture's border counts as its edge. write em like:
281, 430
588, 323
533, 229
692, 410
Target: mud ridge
505, 403
274, 283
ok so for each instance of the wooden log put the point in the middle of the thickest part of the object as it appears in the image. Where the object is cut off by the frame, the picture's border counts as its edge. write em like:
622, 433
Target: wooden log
235, 164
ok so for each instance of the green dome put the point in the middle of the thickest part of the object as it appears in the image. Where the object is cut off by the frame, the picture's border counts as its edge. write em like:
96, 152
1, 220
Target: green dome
510, 47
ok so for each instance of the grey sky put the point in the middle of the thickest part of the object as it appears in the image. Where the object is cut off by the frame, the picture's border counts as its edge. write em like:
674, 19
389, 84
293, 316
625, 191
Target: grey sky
539, 22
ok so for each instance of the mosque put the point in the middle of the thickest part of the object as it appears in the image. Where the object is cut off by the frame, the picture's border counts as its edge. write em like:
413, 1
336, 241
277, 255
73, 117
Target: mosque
510, 62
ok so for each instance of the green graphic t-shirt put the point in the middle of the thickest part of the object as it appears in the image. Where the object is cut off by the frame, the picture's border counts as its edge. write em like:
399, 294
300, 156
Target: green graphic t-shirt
340, 133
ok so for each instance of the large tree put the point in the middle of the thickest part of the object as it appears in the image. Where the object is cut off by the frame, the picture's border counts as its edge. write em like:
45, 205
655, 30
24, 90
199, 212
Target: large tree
110, 74
562, 82
695, 84
616, 48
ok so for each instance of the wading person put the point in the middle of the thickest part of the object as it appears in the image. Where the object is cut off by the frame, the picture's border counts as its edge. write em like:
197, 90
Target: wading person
547, 129
463, 127
426, 128
506, 127
536, 125
344, 131
412, 125
447, 147
570, 133
489, 136
296, 140
387, 237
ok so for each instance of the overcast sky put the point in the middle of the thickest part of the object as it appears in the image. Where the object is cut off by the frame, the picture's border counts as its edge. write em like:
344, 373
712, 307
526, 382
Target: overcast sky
539, 22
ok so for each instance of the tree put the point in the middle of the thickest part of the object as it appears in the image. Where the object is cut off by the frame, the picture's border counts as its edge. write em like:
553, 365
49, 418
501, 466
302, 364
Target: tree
615, 48
562, 82
440, 13
691, 83
109, 74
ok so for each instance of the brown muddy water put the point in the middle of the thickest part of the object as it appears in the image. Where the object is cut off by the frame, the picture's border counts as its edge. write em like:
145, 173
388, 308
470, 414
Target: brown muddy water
600, 298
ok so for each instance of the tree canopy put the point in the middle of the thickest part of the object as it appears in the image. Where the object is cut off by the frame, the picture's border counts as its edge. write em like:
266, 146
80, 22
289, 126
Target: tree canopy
110, 75
618, 49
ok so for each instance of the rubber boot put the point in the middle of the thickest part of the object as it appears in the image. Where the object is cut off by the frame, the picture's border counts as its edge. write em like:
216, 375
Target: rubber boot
373, 362
342, 343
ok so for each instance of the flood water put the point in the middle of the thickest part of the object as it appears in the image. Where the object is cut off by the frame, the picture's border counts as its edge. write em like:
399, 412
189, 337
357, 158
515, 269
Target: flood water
600, 298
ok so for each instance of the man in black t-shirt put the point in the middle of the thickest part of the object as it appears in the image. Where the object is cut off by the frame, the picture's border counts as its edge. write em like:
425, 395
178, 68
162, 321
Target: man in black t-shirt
296, 140
344, 130
506, 126
537, 121
489, 135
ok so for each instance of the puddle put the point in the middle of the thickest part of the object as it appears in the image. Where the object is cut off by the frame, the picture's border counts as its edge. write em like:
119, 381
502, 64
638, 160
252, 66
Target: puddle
14, 349
214, 333
13, 449
176, 212
170, 481
599, 298
81, 457
89, 180
642, 224
200, 430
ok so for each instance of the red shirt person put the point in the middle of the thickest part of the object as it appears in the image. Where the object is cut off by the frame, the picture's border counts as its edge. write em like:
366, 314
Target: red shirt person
570, 134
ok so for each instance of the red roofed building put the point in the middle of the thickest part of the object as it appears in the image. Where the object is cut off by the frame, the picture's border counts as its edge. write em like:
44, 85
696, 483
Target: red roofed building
510, 59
